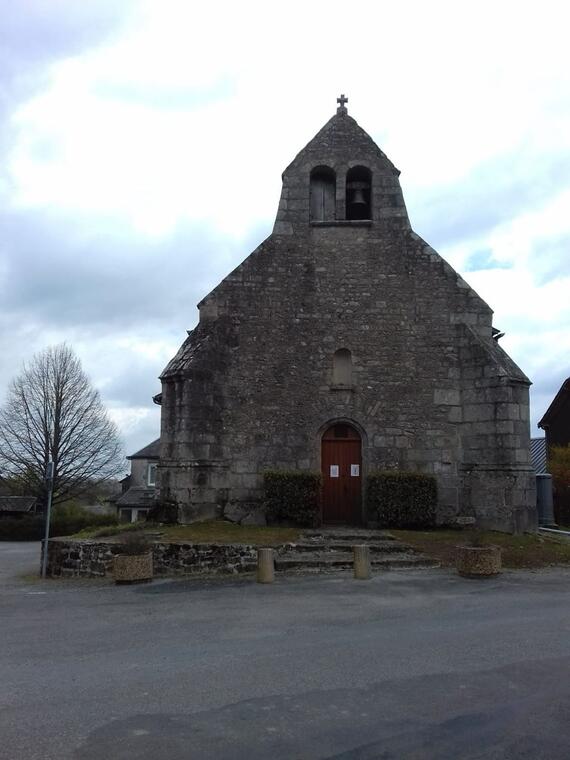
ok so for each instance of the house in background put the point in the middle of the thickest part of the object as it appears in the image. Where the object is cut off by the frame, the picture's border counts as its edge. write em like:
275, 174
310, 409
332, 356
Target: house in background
139, 488
556, 426
17, 506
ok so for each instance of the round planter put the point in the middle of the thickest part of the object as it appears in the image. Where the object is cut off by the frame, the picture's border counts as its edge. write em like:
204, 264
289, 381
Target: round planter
478, 561
132, 568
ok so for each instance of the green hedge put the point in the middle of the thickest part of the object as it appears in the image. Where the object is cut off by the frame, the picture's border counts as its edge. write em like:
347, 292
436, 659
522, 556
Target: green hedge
21, 528
292, 497
399, 499
63, 523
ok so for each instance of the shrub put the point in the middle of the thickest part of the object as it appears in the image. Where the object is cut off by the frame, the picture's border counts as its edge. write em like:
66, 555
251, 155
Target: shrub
292, 497
66, 519
28, 528
559, 465
402, 499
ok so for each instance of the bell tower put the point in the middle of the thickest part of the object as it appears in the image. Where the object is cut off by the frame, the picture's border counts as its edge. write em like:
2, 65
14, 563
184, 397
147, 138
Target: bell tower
340, 178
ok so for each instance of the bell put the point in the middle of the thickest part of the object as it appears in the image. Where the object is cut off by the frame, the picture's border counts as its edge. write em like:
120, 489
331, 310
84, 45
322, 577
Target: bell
358, 198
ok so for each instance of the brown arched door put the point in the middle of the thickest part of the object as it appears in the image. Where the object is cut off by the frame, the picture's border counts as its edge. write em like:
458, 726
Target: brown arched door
341, 464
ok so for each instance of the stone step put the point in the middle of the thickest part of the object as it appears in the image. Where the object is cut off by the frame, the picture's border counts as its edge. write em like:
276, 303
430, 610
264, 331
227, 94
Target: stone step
340, 545
344, 560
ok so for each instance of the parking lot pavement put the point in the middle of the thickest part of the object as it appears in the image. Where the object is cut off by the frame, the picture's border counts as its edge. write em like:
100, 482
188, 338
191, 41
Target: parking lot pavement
18, 558
412, 664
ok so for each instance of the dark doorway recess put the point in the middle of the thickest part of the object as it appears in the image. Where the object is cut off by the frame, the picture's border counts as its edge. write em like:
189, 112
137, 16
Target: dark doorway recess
341, 464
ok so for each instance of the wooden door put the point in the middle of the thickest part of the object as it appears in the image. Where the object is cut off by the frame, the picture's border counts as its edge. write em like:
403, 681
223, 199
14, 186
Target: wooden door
341, 463
322, 197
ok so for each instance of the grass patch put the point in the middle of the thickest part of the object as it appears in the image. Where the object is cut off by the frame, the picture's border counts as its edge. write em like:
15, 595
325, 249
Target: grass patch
210, 532
528, 552
112, 530
222, 532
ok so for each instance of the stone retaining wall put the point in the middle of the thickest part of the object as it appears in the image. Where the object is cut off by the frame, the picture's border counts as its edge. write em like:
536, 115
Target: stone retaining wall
90, 558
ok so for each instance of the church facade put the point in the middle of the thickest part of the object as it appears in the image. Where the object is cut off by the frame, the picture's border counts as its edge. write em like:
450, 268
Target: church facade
344, 343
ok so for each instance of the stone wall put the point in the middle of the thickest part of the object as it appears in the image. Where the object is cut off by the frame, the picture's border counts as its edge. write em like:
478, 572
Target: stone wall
94, 558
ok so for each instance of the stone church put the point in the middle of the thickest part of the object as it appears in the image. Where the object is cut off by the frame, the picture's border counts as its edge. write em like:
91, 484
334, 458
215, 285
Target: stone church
344, 343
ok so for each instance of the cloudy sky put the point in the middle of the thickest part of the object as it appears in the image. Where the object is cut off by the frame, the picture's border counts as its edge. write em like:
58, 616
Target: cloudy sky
142, 146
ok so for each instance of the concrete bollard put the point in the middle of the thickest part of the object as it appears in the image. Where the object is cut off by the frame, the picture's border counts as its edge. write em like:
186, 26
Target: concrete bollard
362, 569
265, 566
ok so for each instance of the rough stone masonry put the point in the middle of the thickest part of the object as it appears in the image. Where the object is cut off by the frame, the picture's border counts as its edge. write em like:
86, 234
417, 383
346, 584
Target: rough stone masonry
344, 316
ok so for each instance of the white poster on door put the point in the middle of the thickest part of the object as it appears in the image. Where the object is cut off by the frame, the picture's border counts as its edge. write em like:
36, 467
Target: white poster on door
355, 470
334, 470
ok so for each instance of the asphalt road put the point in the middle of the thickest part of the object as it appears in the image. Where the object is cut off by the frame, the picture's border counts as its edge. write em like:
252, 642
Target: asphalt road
414, 664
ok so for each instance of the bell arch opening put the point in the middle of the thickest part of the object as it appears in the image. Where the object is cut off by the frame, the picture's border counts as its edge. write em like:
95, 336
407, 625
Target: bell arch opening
359, 193
322, 194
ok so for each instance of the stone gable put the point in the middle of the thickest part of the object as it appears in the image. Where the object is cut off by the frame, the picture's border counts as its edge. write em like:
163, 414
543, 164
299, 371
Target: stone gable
427, 388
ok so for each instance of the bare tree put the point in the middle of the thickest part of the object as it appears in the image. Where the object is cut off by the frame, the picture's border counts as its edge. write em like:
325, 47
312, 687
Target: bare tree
53, 412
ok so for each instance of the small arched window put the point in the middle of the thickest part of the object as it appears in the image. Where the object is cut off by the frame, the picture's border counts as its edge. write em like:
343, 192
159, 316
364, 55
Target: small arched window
359, 193
323, 194
342, 367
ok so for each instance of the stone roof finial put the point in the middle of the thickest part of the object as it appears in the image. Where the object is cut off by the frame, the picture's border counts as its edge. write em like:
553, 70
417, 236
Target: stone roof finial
342, 100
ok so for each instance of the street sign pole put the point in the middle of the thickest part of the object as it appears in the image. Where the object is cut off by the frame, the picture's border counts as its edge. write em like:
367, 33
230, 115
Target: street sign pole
49, 481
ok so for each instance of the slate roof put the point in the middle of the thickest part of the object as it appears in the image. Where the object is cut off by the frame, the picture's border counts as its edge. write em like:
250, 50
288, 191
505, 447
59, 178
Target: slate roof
538, 454
17, 503
182, 360
137, 496
152, 451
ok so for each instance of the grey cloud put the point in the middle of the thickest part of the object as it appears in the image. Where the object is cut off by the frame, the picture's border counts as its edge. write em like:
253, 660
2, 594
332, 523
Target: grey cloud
165, 97
493, 193
134, 383
147, 429
551, 259
35, 33
56, 276
483, 259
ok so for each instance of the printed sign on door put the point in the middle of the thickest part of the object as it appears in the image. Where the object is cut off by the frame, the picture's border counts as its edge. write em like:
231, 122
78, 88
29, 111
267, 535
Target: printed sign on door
355, 470
334, 471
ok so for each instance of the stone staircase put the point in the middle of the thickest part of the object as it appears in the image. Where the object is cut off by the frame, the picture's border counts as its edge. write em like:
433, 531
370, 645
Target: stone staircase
330, 549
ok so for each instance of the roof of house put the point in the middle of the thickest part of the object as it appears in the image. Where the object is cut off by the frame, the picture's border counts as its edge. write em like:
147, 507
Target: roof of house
557, 402
152, 451
137, 496
17, 503
538, 454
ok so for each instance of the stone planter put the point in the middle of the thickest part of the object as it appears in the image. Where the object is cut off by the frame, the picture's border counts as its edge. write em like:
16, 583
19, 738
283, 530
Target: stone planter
132, 568
478, 561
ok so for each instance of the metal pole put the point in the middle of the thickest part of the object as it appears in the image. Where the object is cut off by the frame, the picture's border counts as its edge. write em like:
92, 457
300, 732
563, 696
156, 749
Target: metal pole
49, 481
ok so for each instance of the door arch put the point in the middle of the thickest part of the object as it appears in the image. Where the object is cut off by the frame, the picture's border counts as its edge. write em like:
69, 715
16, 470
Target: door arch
341, 466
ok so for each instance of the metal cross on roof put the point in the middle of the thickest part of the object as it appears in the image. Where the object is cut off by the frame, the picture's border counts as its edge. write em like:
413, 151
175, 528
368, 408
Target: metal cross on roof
342, 100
